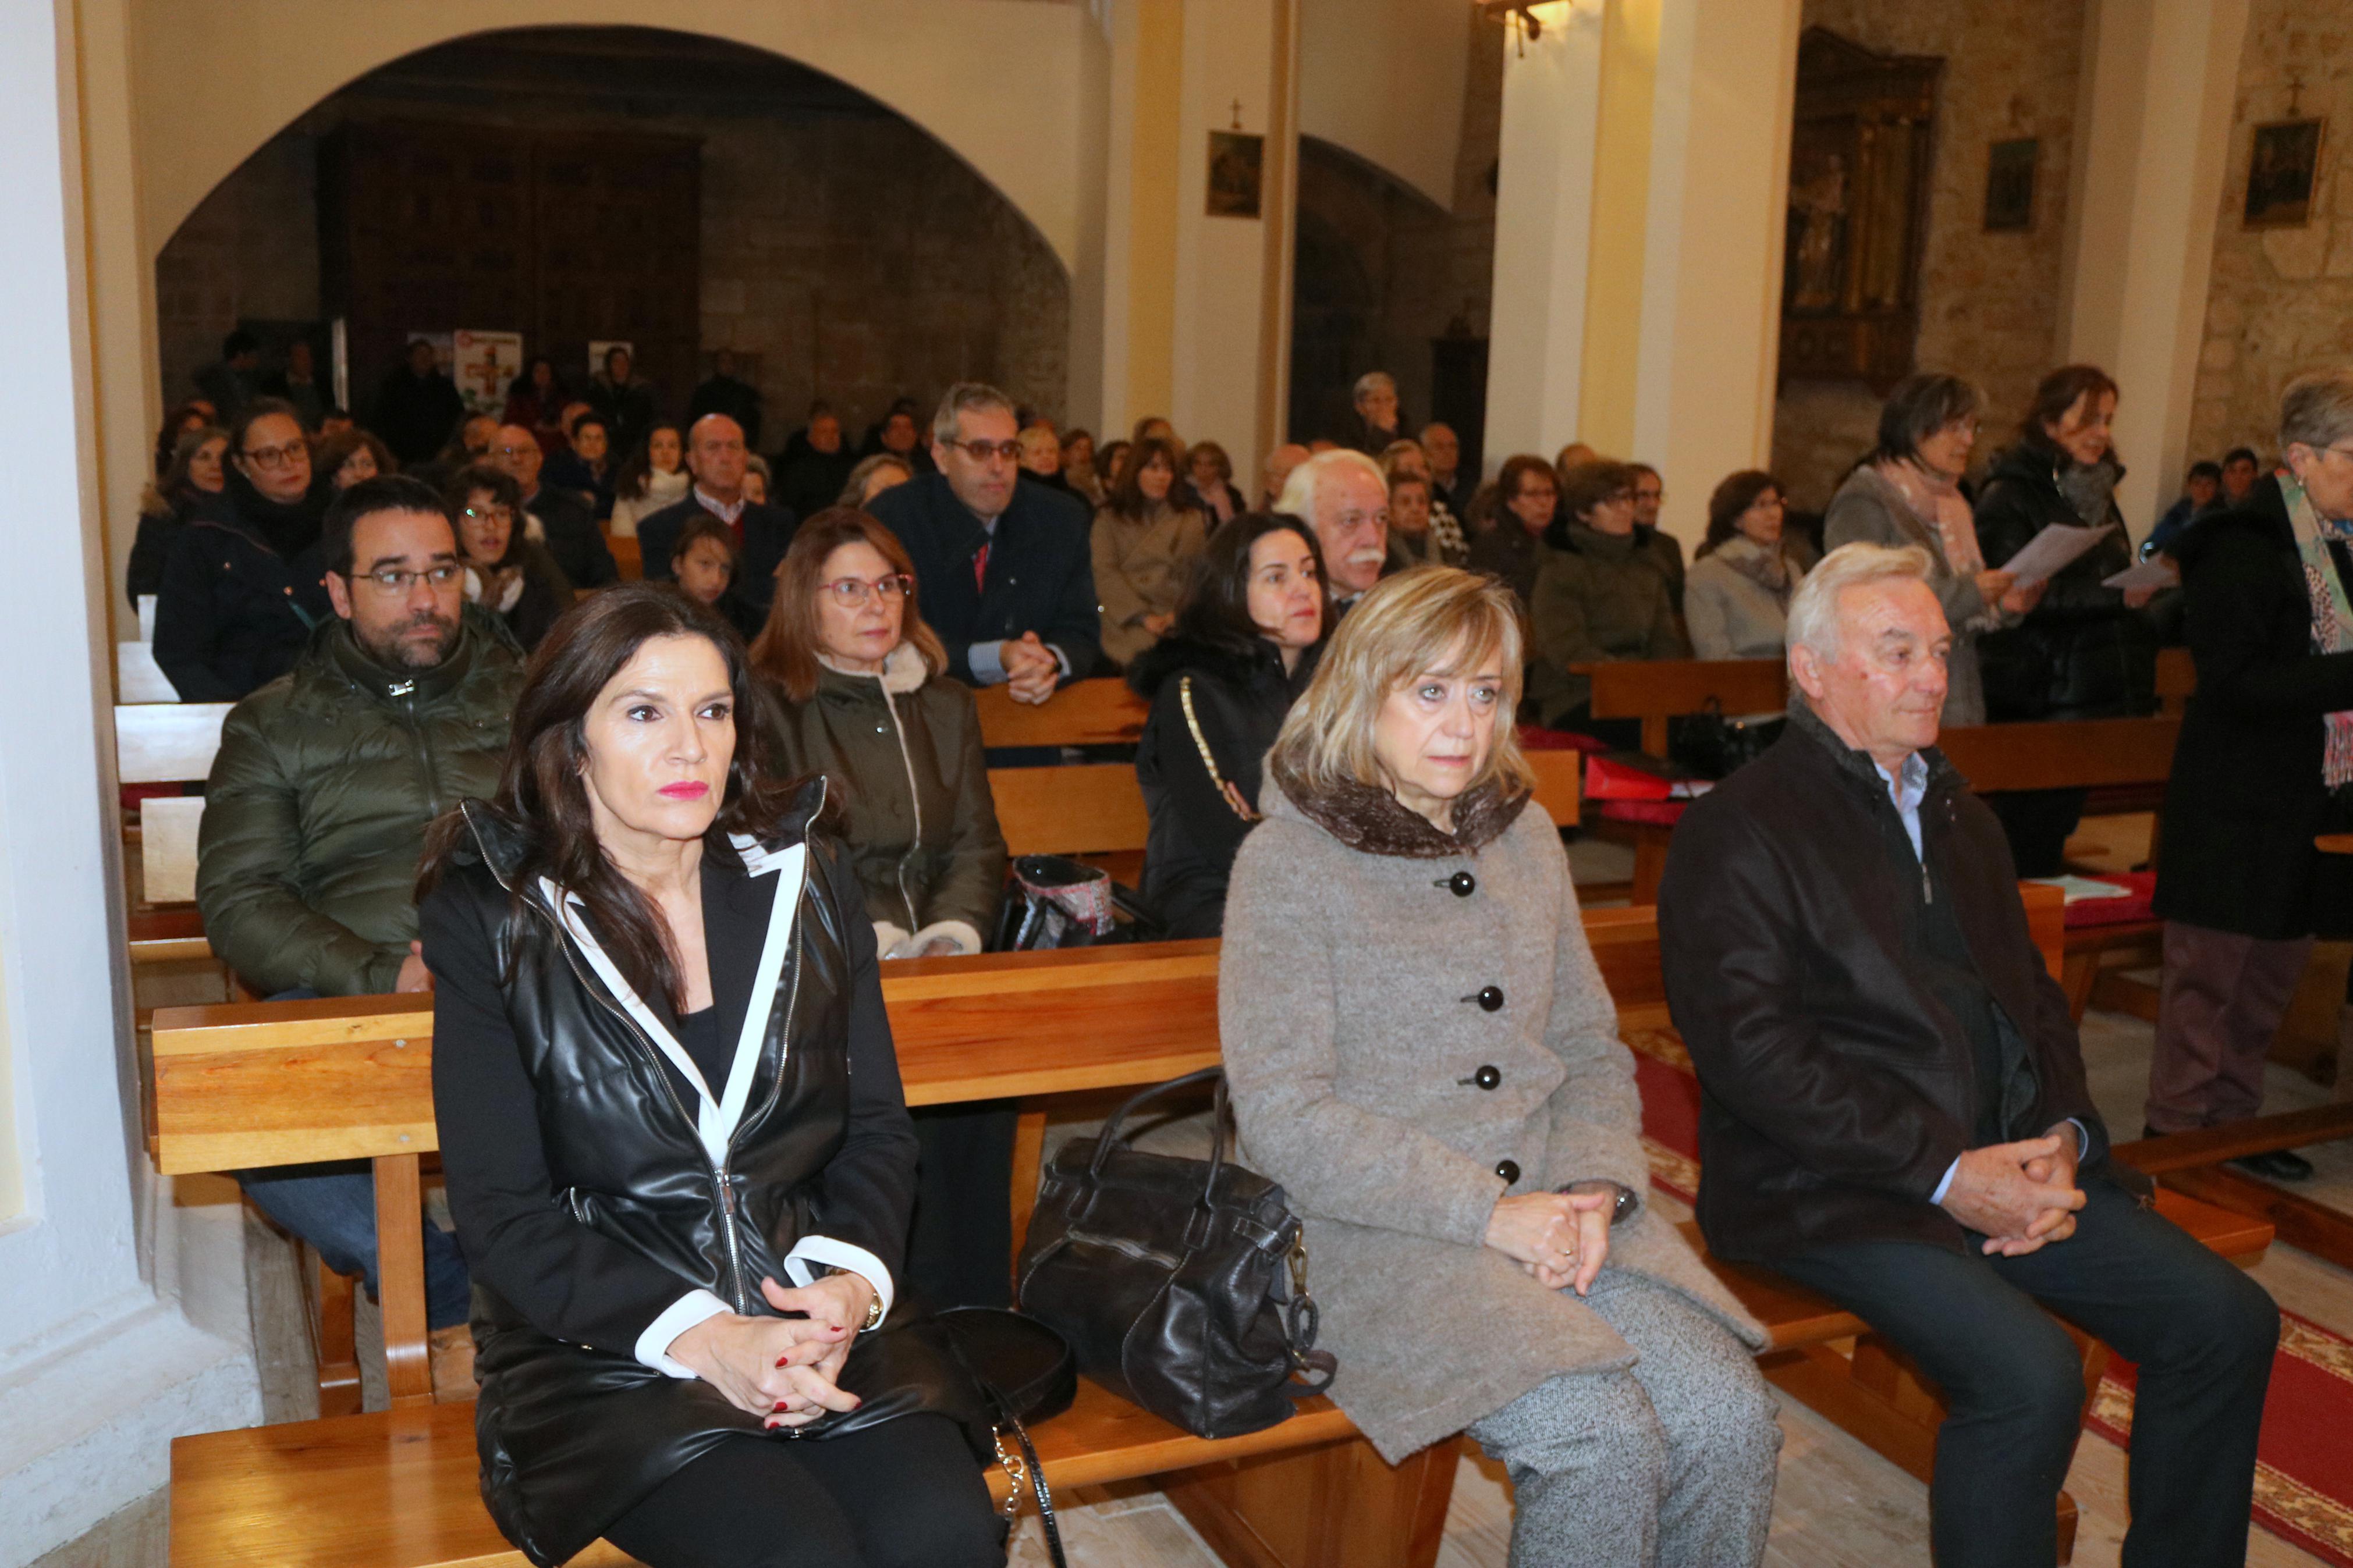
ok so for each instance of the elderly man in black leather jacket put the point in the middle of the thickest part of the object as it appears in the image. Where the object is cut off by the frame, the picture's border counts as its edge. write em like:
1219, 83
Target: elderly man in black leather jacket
1895, 1111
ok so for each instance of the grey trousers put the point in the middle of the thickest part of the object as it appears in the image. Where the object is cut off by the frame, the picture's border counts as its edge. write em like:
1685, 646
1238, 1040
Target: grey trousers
1667, 1465
2220, 1003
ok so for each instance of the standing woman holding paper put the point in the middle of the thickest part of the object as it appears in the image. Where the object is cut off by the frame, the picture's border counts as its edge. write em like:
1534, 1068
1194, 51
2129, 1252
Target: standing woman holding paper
1907, 491
2085, 651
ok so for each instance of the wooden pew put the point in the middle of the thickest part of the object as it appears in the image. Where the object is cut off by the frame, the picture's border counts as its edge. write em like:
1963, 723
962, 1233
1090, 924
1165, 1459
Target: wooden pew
2176, 678
2095, 753
167, 743
293, 1081
2192, 1163
1097, 712
627, 555
1655, 692
1096, 809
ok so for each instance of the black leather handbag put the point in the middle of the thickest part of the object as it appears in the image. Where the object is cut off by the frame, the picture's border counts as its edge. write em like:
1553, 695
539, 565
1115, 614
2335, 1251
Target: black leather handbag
1181, 1284
987, 1369
1713, 746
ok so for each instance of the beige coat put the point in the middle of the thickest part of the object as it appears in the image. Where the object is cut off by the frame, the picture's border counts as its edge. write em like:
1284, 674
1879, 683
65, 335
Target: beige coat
1352, 1041
1141, 570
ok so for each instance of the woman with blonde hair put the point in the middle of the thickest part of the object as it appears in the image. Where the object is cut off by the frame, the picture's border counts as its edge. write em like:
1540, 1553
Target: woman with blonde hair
1422, 1052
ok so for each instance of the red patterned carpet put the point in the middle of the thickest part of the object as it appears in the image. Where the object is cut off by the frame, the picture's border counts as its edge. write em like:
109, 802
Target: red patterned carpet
2304, 1471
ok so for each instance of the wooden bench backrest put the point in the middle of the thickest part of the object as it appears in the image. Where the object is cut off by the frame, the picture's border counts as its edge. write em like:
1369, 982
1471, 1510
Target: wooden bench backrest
167, 743
1668, 689
2068, 754
255, 1084
627, 555
1097, 808
138, 679
1098, 712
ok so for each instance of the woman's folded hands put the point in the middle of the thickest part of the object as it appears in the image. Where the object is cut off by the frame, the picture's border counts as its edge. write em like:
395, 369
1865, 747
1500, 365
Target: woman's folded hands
782, 1369
1559, 1238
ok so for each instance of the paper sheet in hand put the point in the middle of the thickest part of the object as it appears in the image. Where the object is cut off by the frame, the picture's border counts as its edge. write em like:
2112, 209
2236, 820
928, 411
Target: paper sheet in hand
2157, 573
2048, 552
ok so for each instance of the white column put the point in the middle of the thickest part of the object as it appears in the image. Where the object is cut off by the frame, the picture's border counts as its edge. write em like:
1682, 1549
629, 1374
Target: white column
97, 1370
1544, 219
1711, 316
2152, 130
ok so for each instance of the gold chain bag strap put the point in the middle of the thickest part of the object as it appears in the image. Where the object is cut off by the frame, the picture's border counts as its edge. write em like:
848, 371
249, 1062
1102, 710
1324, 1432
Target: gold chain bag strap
1233, 796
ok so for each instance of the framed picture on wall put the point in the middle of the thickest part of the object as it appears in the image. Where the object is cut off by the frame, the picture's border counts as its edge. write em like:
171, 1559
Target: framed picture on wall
2009, 184
1237, 172
2281, 169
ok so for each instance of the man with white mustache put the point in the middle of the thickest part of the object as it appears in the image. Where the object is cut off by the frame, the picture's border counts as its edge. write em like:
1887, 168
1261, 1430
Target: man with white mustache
1342, 496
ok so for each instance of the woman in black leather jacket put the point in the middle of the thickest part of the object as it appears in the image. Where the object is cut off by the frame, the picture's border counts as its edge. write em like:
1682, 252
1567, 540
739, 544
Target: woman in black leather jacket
2083, 651
622, 943
1245, 642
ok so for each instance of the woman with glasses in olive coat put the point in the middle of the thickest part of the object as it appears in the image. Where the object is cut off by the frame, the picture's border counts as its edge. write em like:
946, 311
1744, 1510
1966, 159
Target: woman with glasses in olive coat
866, 702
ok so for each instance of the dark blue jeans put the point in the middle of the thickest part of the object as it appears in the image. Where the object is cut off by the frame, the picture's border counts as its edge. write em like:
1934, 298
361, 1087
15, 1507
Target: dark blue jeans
332, 1205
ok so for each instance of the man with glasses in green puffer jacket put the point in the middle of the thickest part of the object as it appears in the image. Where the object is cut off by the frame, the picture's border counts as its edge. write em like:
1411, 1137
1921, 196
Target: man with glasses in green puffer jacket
315, 818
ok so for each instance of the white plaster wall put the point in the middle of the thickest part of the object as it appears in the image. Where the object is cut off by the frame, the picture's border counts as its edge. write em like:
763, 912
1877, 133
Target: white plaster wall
1220, 261
61, 1006
1384, 78
96, 1371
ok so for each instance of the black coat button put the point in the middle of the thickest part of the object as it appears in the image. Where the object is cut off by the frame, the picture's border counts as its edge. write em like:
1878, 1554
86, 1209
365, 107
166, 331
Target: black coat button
1509, 1170
1486, 1077
1463, 884
1491, 998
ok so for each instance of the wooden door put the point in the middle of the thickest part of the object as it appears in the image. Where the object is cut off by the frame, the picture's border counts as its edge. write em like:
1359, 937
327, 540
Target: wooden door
565, 237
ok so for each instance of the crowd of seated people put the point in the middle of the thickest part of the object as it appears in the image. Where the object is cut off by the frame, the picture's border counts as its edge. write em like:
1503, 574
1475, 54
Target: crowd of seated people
349, 609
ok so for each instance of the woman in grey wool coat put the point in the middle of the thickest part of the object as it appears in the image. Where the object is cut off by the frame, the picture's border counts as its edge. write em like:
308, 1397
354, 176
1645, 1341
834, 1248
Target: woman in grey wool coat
1420, 1049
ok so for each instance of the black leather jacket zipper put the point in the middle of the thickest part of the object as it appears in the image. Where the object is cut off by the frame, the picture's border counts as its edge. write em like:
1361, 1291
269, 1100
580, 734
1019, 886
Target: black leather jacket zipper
722, 1191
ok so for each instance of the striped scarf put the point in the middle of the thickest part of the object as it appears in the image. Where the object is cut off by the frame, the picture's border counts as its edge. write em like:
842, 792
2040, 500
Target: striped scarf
2332, 613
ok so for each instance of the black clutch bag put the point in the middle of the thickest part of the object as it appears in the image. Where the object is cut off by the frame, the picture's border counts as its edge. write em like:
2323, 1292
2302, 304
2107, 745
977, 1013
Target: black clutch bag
1181, 1284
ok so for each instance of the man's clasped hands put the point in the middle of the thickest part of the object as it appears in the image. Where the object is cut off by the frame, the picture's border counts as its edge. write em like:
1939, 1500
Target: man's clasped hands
2018, 1195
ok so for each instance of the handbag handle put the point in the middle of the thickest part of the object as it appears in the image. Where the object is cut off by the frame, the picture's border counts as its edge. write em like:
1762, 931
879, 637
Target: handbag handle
1109, 1137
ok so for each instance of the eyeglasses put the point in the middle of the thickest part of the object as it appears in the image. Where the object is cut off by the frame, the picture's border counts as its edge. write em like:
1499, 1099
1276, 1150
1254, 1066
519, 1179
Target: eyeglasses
981, 451
491, 514
513, 451
279, 456
851, 592
393, 580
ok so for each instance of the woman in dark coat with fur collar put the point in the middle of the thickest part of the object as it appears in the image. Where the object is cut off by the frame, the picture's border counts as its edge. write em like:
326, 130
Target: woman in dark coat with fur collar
1244, 645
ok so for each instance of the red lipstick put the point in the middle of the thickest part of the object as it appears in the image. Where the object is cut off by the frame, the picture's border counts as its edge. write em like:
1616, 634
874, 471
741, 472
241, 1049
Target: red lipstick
687, 789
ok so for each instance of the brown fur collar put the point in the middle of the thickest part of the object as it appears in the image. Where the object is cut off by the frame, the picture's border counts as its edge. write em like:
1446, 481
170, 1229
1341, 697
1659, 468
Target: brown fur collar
1369, 819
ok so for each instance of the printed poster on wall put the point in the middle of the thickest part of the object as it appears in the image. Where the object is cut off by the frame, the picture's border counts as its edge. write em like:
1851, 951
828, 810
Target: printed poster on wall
482, 363
599, 347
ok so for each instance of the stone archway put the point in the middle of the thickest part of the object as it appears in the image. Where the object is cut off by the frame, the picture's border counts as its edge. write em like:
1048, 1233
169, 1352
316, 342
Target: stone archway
998, 82
843, 251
